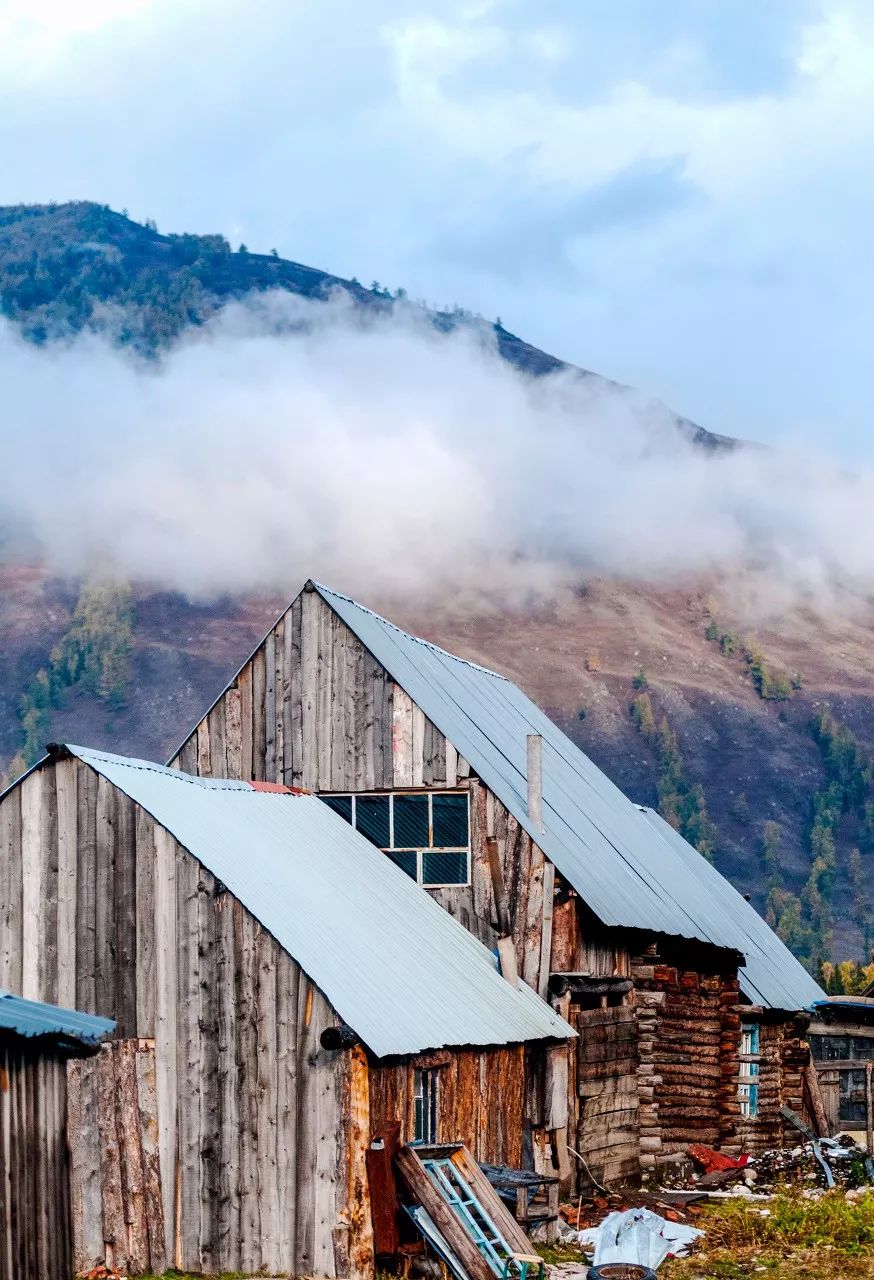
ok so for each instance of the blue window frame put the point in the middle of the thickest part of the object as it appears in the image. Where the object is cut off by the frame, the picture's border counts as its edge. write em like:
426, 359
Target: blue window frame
748, 1087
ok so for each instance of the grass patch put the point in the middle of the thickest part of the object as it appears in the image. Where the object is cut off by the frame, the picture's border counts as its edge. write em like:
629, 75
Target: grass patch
552, 1254
786, 1237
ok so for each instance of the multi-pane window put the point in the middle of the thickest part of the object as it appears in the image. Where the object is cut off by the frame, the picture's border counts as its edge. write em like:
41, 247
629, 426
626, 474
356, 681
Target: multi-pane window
425, 833
425, 1090
748, 1090
834, 1048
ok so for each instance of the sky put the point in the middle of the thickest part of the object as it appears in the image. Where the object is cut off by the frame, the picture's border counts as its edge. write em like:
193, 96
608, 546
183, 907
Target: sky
678, 194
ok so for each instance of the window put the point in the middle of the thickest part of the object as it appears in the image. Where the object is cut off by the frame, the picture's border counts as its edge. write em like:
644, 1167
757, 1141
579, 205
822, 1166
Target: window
834, 1048
425, 1087
425, 833
748, 1090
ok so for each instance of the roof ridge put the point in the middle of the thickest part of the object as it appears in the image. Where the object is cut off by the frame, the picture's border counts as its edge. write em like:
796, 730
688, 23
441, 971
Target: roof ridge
148, 766
427, 644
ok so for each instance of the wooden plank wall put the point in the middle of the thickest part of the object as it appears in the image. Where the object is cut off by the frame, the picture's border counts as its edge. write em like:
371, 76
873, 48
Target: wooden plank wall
248, 1102
115, 1177
313, 708
35, 1238
608, 1130
481, 1100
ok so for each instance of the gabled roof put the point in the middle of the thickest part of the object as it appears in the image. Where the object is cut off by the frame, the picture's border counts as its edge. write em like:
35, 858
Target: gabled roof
394, 965
32, 1019
628, 870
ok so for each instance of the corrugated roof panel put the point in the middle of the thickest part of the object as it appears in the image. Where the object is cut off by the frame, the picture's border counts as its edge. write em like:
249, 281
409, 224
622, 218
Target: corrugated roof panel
772, 976
392, 963
31, 1018
625, 868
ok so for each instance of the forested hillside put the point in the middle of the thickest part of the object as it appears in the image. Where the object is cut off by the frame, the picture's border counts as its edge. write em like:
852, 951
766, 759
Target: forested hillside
72, 267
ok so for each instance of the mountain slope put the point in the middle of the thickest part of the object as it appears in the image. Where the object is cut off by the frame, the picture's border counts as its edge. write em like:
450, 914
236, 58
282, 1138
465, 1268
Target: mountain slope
71, 267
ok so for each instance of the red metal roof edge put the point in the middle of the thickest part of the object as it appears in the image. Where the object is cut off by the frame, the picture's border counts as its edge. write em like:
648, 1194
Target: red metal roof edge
279, 788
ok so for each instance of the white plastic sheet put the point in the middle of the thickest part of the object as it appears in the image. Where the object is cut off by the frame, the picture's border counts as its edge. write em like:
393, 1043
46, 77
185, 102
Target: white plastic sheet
637, 1235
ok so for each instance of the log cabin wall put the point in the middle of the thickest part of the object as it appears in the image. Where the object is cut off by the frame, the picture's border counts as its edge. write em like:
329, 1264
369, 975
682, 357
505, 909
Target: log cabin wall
480, 1099
688, 1045
608, 1106
105, 912
35, 1231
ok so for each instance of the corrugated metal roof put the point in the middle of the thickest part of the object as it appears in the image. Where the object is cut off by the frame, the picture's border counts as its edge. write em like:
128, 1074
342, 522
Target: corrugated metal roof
32, 1018
602, 843
771, 976
394, 964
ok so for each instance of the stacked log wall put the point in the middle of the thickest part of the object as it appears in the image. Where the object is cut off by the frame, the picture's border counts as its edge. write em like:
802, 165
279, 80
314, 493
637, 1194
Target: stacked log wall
110, 915
608, 1120
783, 1055
688, 1044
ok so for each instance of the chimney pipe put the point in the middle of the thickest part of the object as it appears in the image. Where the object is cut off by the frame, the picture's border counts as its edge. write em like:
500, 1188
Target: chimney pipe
535, 781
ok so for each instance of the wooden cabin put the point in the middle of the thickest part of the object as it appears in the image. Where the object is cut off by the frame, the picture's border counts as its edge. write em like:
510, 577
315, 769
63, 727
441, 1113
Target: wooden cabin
281, 992
36, 1043
686, 1003
842, 1042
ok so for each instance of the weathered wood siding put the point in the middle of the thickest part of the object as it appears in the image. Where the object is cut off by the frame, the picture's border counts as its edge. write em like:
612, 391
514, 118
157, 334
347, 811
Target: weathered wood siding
248, 1103
115, 1176
481, 1100
35, 1237
313, 708
608, 1125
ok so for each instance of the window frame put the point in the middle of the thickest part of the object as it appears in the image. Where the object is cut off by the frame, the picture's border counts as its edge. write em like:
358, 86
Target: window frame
426, 1105
419, 850
749, 1072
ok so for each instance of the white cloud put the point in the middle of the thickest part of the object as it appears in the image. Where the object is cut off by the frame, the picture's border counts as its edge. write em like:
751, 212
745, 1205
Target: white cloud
381, 454
729, 146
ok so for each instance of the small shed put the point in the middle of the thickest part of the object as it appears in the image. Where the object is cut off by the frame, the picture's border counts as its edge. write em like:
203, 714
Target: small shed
36, 1041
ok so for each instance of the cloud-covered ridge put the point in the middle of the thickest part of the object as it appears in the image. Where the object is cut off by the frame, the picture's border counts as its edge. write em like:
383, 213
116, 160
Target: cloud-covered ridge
288, 438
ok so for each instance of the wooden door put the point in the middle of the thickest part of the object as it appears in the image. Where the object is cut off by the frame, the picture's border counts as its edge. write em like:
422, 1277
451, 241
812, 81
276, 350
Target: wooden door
608, 1131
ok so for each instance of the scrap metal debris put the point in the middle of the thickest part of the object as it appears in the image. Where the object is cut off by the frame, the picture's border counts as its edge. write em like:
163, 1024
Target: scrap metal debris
811, 1165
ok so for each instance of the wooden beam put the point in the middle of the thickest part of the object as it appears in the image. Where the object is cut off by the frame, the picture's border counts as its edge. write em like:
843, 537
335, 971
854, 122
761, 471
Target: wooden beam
817, 1106
546, 928
499, 888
